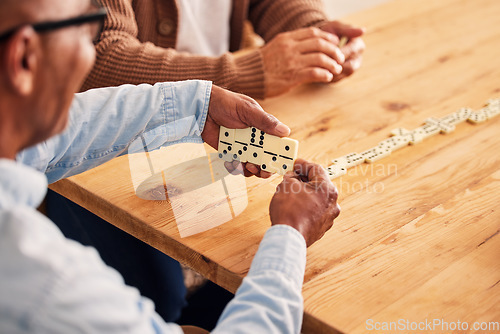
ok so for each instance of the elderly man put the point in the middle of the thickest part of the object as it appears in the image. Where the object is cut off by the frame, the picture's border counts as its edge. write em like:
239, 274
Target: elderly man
150, 41
50, 284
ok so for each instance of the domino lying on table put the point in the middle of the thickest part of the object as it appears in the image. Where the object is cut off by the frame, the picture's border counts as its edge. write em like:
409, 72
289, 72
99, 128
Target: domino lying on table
402, 137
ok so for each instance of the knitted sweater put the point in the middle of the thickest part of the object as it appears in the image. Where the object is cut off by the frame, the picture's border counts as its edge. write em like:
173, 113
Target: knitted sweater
139, 37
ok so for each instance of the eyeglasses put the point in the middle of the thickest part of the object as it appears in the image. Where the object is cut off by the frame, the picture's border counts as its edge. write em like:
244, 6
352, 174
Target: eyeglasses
97, 17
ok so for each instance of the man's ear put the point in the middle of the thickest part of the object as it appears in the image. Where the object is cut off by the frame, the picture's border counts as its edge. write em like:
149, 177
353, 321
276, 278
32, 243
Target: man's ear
22, 59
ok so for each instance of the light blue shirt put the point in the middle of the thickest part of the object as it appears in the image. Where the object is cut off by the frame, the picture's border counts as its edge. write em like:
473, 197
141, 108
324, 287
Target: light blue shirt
50, 284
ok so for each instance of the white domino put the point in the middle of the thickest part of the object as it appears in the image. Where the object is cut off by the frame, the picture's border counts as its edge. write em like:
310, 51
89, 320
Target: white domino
226, 142
343, 41
425, 131
487, 112
463, 114
288, 151
495, 111
335, 171
444, 127
279, 154
492, 110
395, 143
451, 119
350, 160
477, 117
400, 132
270, 145
375, 154
255, 149
493, 103
338, 167
460, 116
240, 147
416, 136
271, 153
354, 159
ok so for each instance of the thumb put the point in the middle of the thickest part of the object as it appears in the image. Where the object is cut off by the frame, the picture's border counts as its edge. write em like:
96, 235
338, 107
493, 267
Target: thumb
342, 29
351, 32
252, 114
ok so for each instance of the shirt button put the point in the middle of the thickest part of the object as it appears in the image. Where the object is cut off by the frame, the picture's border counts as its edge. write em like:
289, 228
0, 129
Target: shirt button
165, 27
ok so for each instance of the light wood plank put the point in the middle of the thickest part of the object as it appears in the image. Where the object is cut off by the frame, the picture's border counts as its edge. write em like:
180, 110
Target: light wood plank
392, 246
384, 272
465, 291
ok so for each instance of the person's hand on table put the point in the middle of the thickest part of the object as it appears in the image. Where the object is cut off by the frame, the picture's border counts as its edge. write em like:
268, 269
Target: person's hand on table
237, 111
352, 51
306, 200
300, 56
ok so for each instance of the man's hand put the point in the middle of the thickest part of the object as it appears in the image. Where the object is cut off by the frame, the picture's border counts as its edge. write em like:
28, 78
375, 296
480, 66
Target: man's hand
352, 51
301, 56
306, 200
236, 111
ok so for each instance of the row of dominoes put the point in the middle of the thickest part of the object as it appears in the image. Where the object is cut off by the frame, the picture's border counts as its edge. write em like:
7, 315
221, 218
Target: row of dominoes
402, 137
273, 154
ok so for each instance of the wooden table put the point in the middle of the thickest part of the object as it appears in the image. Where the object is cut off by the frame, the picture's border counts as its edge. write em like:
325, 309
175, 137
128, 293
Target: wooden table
418, 237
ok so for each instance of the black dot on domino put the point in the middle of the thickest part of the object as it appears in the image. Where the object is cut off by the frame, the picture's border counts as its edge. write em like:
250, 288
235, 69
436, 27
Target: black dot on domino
220, 155
229, 148
244, 148
261, 143
255, 155
225, 152
287, 148
235, 156
285, 167
240, 152
264, 166
261, 137
274, 159
253, 135
226, 134
254, 130
252, 140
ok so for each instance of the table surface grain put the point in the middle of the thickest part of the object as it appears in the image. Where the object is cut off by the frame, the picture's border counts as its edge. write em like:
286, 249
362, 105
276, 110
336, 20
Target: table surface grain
418, 237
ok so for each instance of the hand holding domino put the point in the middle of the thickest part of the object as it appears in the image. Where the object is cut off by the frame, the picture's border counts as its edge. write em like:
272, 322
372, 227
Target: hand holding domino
273, 154
237, 111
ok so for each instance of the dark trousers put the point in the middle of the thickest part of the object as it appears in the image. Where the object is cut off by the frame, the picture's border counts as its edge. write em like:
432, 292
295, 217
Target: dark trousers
154, 274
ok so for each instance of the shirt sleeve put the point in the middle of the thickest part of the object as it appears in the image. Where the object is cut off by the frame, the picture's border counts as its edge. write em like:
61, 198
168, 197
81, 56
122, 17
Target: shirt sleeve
56, 285
270, 298
104, 122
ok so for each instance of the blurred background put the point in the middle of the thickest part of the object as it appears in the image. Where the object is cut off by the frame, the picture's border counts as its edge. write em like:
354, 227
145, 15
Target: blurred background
339, 8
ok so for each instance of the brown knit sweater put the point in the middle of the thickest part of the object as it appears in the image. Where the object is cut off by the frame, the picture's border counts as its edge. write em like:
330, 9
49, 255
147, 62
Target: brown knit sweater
137, 45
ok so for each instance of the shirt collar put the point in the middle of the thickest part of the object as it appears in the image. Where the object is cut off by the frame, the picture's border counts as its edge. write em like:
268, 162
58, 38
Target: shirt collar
20, 185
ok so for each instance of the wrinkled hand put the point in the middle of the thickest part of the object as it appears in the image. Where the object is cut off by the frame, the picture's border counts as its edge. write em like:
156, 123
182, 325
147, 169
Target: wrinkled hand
352, 51
236, 111
306, 200
301, 56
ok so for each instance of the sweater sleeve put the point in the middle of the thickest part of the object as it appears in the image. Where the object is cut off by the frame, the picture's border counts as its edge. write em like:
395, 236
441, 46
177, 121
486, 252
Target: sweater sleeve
123, 59
271, 17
